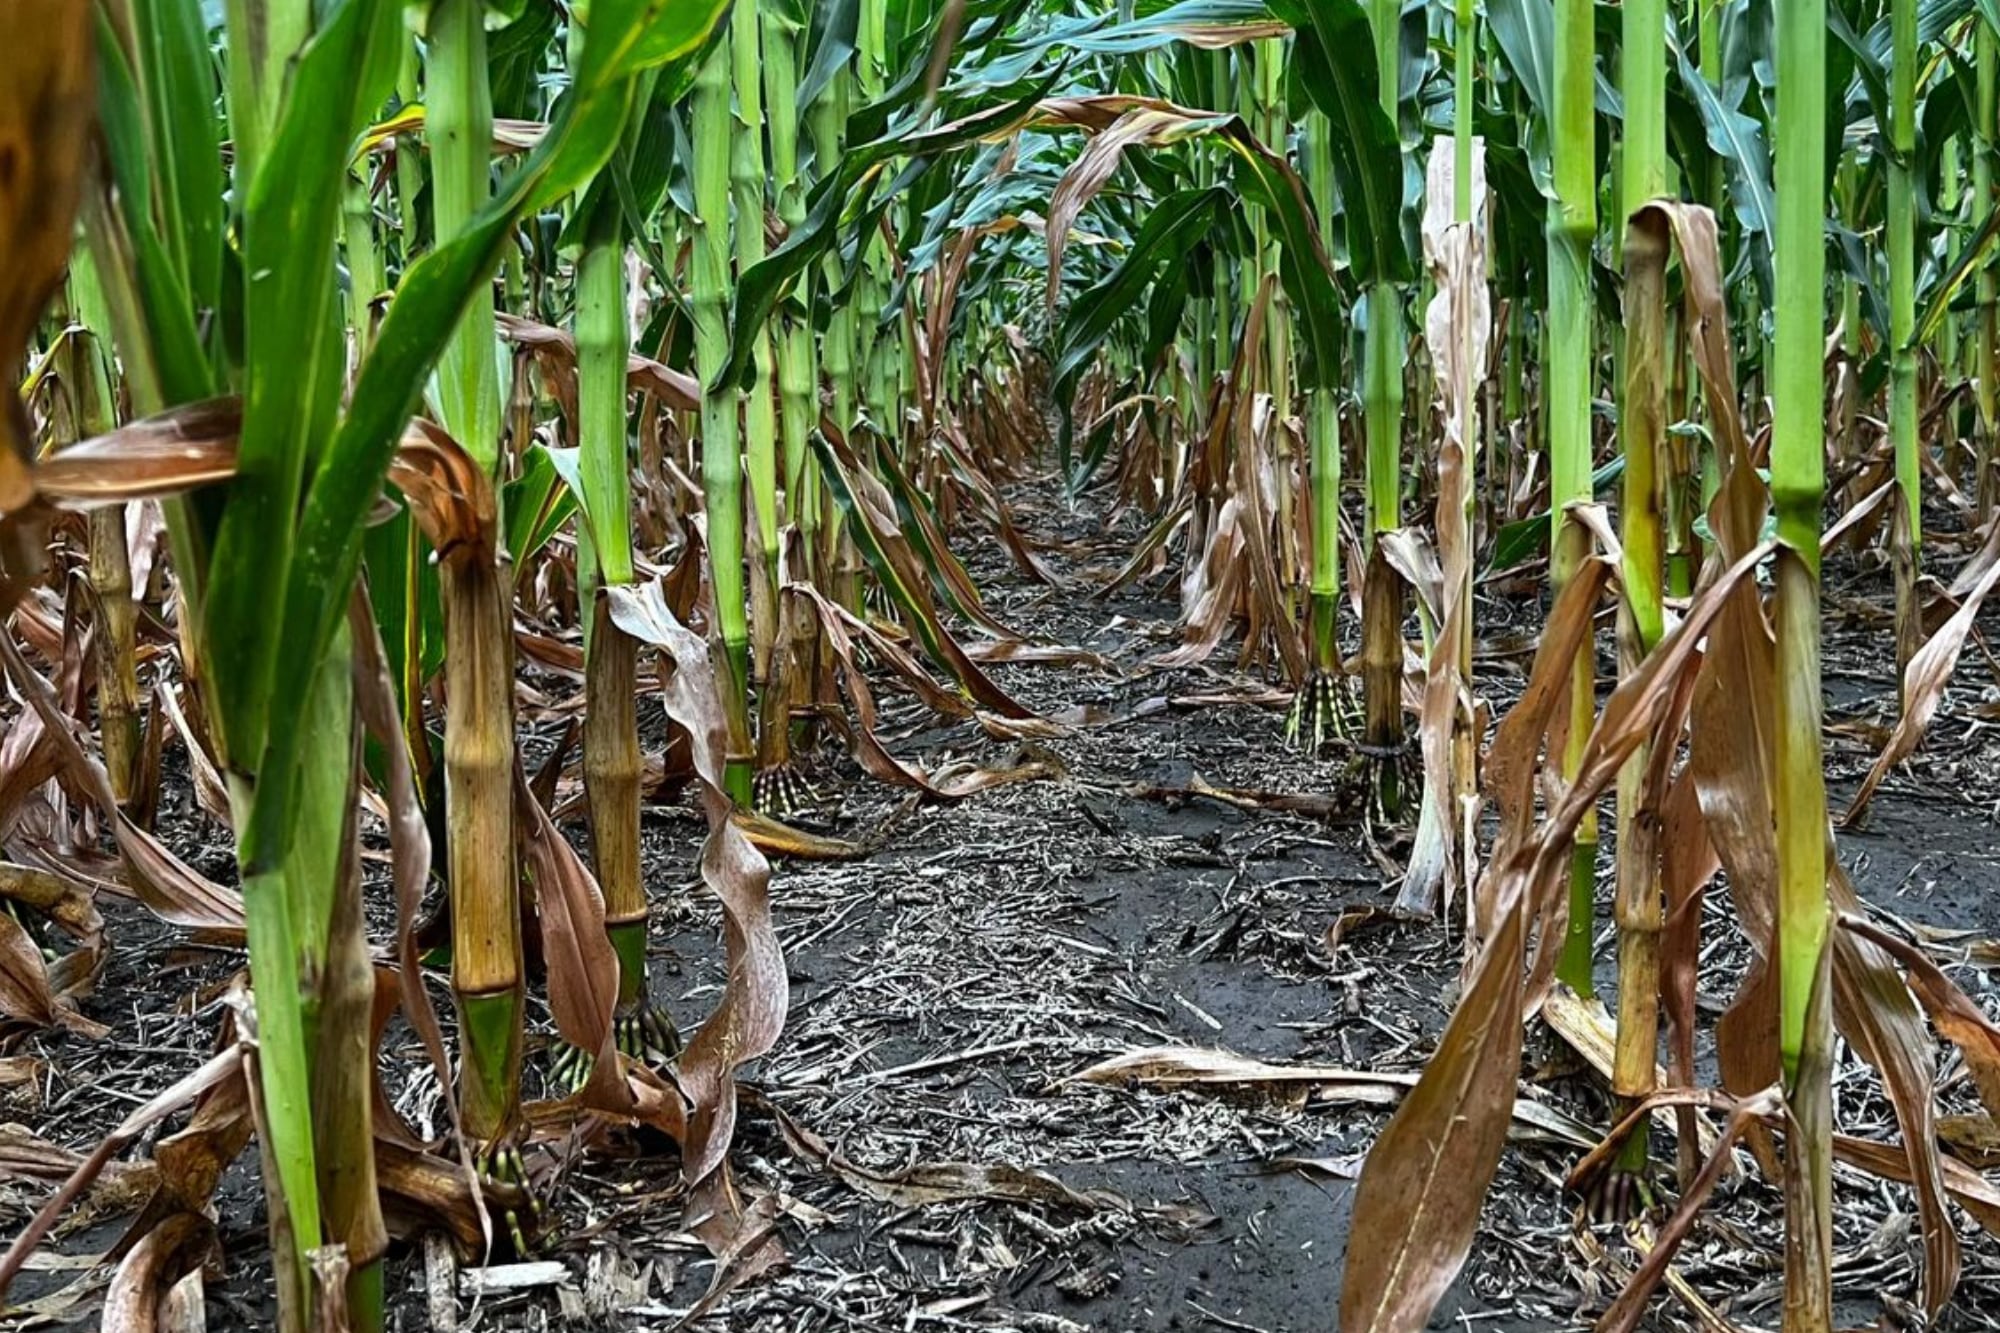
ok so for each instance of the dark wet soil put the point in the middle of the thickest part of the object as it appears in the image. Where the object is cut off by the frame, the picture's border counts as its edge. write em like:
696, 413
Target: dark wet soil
948, 989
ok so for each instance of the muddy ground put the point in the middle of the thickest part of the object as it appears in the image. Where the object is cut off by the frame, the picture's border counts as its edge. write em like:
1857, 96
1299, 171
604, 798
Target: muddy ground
947, 990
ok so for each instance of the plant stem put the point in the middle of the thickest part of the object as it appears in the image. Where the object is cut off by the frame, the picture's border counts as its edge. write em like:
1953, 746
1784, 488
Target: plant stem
1643, 74
610, 720
1571, 228
797, 375
721, 461
459, 111
1987, 107
1901, 226
1797, 489
479, 807
1382, 396
1323, 436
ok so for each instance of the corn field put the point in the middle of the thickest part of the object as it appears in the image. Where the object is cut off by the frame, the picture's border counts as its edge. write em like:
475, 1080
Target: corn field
821, 664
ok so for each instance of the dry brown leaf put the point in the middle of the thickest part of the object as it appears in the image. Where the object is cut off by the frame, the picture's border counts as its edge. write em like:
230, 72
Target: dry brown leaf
170, 888
177, 450
782, 839
582, 966
47, 111
1207, 1066
1626, 1311
1961, 1021
1924, 682
556, 349
751, 1013
226, 1064
166, 1253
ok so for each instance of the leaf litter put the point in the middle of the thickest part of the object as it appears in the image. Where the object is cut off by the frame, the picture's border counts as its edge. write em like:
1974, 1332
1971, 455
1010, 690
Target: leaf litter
920, 1141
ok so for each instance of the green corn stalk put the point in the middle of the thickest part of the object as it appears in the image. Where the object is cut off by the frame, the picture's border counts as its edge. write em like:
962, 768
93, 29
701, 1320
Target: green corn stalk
833, 557
721, 460
1572, 226
1901, 226
1639, 909
1950, 198
1846, 192
1382, 356
829, 119
1323, 436
366, 278
263, 35
611, 760
1465, 744
798, 375
1271, 127
760, 423
1797, 490
879, 349
1465, 50
798, 380
459, 112
1223, 308
1987, 335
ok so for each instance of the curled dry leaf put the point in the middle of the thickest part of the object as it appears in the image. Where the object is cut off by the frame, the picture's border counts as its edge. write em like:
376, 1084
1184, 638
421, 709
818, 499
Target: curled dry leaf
782, 839
1205, 1066
582, 965
1154, 124
170, 888
1961, 1021
904, 574
226, 1064
839, 629
755, 997
556, 349
1313, 805
1972, 1191
1924, 682
1625, 1312
162, 1257
174, 451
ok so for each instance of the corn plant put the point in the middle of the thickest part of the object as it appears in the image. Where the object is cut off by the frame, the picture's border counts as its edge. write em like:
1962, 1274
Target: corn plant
469, 345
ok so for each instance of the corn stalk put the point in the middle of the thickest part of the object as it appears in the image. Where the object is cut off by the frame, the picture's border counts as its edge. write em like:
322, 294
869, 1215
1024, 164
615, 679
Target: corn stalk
1382, 407
1900, 223
1642, 419
1797, 490
1572, 226
1986, 337
721, 458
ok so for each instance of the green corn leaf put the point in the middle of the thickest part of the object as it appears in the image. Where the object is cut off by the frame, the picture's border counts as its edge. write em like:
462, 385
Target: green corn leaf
1334, 49
184, 142
1171, 230
538, 503
292, 329
1934, 19
1973, 257
419, 321
1303, 266
842, 198
1739, 140
166, 305
834, 23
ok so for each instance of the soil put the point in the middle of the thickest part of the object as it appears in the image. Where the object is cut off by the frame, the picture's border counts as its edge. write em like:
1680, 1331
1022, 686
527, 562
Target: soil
947, 989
